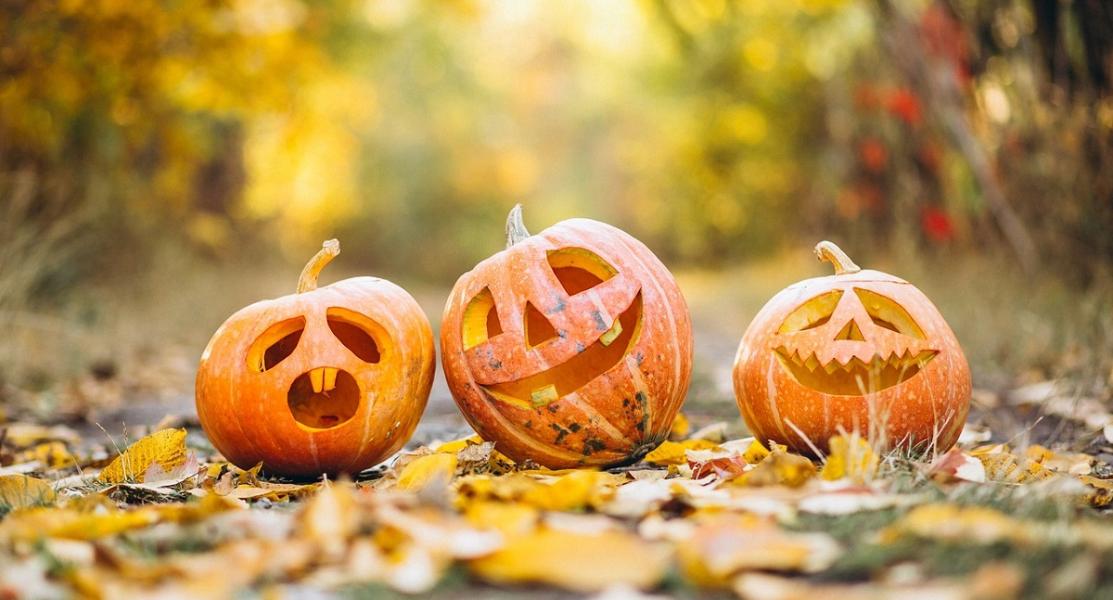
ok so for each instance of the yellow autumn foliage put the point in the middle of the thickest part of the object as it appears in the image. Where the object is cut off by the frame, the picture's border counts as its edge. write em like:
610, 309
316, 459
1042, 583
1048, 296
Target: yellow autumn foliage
165, 449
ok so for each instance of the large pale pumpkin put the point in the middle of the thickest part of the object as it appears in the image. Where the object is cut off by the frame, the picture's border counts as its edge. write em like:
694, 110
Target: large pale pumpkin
858, 350
328, 380
571, 347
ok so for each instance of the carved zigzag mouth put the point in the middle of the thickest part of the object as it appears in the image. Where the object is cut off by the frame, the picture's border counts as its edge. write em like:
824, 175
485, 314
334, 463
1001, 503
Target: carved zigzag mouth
563, 379
856, 377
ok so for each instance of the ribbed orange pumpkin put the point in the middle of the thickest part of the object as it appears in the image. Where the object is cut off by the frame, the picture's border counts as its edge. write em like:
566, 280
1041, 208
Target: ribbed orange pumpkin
858, 350
328, 380
571, 347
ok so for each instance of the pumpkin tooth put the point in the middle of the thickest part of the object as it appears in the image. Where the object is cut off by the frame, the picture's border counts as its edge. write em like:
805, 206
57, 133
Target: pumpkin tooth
612, 334
317, 378
543, 395
812, 362
330, 378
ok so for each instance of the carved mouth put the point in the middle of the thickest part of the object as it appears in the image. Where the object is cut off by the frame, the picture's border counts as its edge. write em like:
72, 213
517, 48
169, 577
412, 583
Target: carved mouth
323, 398
856, 377
595, 360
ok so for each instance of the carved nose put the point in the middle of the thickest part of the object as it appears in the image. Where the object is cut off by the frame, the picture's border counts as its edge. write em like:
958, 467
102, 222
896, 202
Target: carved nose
851, 332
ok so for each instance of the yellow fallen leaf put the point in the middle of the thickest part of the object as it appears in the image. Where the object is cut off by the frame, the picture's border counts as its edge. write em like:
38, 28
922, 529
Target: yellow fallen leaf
851, 457
54, 454
1102, 491
96, 521
729, 544
424, 470
576, 490
457, 445
165, 448
675, 453
680, 428
511, 519
780, 468
968, 524
576, 561
21, 491
330, 518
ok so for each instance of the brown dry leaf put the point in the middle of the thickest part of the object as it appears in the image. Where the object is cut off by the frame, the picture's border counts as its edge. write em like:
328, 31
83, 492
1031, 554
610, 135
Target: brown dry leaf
164, 449
21, 491
576, 561
851, 457
729, 544
431, 469
675, 453
1102, 491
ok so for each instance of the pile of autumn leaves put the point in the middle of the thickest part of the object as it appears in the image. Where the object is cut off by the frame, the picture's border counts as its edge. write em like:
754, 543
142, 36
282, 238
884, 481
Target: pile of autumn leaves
706, 512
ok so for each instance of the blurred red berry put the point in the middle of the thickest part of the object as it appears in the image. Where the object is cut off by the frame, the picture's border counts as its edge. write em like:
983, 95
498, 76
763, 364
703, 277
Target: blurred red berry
903, 104
873, 154
937, 225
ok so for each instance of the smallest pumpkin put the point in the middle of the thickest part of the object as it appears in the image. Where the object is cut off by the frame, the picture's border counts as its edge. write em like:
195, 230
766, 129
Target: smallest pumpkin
857, 350
328, 380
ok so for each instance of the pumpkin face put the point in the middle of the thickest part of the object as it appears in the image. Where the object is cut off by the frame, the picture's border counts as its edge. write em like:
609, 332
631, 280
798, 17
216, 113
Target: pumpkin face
572, 347
859, 350
325, 381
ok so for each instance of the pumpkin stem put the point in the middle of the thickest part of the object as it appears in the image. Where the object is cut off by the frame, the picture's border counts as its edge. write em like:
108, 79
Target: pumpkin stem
828, 251
307, 281
515, 229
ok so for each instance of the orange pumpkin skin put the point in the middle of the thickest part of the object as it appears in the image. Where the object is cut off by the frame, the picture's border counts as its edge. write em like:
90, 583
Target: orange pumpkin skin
536, 362
276, 415
789, 375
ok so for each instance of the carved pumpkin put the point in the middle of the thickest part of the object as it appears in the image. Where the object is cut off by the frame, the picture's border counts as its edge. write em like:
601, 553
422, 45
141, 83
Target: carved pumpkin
571, 347
858, 350
328, 380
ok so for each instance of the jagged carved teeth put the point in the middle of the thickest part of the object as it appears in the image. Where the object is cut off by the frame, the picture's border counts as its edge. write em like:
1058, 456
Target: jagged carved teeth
894, 360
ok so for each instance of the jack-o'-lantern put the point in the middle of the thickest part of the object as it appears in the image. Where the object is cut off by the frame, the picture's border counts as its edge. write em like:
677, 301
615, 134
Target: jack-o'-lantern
857, 350
328, 380
571, 347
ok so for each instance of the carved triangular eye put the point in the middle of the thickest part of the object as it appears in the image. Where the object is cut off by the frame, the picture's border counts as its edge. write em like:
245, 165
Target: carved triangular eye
886, 313
579, 270
813, 313
275, 345
481, 320
538, 328
355, 332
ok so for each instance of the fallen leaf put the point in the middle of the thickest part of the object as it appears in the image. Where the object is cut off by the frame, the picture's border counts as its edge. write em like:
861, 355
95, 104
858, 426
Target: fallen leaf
432, 469
780, 468
957, 465
851, 457
675, 453
576, 561
680, 427
21, 491
165, 448
729, 544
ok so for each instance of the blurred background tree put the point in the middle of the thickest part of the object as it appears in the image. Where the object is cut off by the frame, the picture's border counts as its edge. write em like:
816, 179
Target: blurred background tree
168, 137
713, 129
